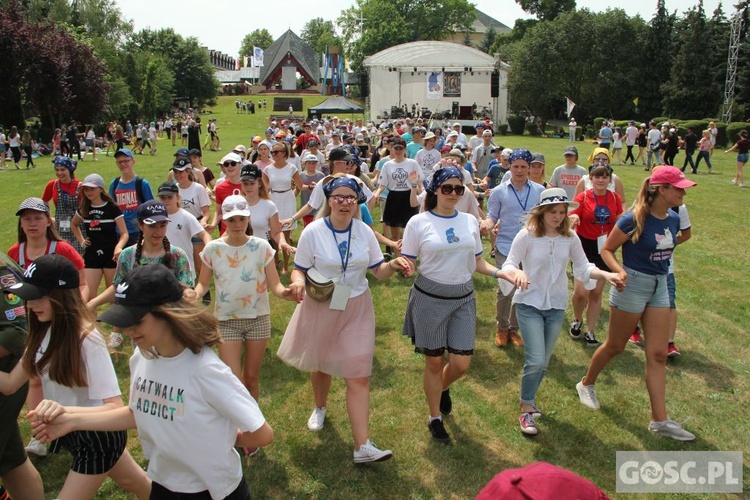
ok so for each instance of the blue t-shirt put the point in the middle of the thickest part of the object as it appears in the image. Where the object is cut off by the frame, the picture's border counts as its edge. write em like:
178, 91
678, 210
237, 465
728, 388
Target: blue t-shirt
606, 135
126, 197
651, 254
364, 212
495, 173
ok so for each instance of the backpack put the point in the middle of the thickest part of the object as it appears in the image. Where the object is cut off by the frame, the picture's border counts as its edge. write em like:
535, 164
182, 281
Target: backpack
138, 188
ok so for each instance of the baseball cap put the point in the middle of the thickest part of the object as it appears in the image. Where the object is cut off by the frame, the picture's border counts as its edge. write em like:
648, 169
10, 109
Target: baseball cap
182, 152
234, 205
487, 132
231, 157
570, 150
537, 157
480, 125
540, 481
47, 273
310, 157
453, 134
152, 212
506, 152
181, 164
168, 189
93, 180
667, 174
32, 203
269, 130
457, 153
196, 152
124, 151
339, 154
144, 289
240, 147
250, 172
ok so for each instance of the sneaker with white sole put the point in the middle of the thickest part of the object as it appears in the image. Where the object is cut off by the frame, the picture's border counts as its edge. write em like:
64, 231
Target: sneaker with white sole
671, 429
528, 426
575, 329
37, 448
368, 453
590, 339
317, 419
115, 340
535, 412
672, 351
587, 395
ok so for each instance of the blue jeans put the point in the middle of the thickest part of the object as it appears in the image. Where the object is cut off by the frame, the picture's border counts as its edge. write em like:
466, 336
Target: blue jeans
703, 155
539, 330
656, 153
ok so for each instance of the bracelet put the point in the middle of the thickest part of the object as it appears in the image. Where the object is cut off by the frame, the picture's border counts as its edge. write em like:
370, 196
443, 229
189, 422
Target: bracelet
299, 280
494, 275
414, 185
390, 266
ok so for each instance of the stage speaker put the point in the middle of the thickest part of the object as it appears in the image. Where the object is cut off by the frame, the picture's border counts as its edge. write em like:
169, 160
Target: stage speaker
364, 85
454, 109
495, 84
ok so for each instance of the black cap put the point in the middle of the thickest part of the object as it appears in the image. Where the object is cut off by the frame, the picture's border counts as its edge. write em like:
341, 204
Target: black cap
168, 189
181, 163
250, 172
339, 154
143, 289
196, 152
183, 152
45, 274
152, 212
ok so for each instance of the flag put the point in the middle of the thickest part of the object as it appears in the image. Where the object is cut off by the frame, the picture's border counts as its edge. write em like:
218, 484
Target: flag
257, 57
635, 101
570, 105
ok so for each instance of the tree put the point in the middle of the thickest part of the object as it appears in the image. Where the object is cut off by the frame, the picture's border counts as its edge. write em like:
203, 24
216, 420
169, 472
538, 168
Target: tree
488, 42
658, 55
157, 86
392, 22
547, 10
319, 33
257, 38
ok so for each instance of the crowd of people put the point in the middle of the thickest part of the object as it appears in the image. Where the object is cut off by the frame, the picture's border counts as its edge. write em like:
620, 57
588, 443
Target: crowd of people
440, 193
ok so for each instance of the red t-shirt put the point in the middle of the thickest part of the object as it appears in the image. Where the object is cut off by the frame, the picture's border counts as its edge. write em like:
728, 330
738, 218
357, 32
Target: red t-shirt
51, 189
222, 191
597, 213
62, 248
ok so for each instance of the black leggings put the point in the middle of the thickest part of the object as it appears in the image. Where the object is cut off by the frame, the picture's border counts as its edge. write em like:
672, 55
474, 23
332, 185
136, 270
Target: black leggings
29, 159
16, 151
630, 155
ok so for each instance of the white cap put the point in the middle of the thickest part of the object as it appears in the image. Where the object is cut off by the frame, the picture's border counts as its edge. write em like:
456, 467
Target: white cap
506, 152
234, 205
311, 157
453, 134
456, 124
231, 157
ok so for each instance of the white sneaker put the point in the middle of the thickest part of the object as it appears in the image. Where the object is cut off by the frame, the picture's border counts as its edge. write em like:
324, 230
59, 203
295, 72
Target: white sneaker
671, 429
36, 448
115, 340
317, 419
587, 395
368, 452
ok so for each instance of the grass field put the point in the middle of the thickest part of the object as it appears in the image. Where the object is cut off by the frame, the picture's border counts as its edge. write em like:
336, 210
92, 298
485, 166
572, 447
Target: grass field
708, 384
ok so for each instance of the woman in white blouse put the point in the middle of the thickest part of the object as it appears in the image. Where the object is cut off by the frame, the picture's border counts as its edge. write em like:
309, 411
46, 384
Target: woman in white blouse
543, 248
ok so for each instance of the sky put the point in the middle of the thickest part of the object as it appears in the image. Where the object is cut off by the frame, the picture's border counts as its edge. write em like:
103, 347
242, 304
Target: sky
221, 24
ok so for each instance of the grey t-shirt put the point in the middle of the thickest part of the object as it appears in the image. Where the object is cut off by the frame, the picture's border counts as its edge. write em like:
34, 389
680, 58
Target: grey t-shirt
567, 178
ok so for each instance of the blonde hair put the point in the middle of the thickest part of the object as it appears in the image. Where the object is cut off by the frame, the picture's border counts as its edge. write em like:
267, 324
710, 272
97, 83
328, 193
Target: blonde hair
535, 222
642, 207
191, 325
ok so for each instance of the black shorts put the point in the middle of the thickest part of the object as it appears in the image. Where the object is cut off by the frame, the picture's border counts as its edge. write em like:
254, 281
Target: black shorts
94, 452
159, 492
398, 209
12, 453
100, 258
591, 249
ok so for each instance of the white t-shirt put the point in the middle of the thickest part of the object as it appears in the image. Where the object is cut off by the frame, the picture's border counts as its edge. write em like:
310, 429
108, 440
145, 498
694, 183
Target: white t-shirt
654, 135
188, 399
194, 198
318, 197
181, 228
395, 175
631, 133
467, 204
260, 213
684, 226
240, 277
322, 247
427, 160
99, 372
447, 247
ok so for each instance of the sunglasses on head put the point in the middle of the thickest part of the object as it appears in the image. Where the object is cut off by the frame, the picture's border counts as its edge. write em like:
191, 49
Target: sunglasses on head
450, 188
231, 207
230, 163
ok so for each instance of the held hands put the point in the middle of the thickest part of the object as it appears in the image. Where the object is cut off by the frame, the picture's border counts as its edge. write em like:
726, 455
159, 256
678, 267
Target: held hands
295, 291
618, 280
287, 249
574, 220
46, 411
520, 279
401, 264
42, 426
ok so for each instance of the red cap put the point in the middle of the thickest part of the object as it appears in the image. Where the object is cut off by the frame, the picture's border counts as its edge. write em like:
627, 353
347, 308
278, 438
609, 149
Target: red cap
540, 481
667, 174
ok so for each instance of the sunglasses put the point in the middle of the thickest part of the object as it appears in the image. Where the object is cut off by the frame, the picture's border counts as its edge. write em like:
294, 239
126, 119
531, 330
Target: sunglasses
601, 161
447, 189
276, 151
231, 207
230, 163
344, 200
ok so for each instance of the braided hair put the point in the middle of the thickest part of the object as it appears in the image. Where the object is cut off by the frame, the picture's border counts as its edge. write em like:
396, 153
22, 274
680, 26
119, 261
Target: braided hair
166, 258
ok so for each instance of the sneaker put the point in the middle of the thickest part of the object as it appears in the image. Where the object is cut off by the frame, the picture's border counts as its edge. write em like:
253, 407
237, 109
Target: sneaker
590, 339
636, 338
575, 329
501, 338
437, 429
528, 426
672, 351
516, 339
535, 412
115, 340
671, 429
36, 448
368, 453
446, 403
317, 419
734, 181
207, 298
587, 395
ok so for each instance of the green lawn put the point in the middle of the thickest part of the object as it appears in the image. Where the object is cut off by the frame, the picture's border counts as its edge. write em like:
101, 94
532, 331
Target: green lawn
708, 384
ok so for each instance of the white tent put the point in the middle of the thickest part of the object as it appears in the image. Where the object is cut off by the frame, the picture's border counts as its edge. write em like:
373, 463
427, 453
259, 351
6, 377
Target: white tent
435, 74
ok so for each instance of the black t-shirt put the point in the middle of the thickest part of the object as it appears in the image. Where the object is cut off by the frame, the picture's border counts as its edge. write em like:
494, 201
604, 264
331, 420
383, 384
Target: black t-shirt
72, 133
100, 225
691, 140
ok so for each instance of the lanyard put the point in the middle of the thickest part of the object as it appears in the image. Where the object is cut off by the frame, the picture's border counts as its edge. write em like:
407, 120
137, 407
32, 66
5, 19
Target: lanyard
518, 198
344, 258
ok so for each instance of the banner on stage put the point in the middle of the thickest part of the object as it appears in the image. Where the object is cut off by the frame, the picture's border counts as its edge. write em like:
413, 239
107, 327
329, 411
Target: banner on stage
452, 84
257, 57
435, 85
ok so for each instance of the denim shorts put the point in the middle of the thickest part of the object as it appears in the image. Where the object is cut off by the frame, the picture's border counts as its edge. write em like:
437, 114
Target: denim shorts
641, 291
742, 158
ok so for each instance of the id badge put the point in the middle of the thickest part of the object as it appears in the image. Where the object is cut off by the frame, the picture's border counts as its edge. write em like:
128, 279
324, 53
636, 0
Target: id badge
600, 242
340, 297
65, 225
